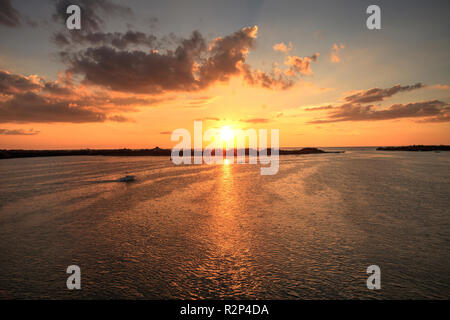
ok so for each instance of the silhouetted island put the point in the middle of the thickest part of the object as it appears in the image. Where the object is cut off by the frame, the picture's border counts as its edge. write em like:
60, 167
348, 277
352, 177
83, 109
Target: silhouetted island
416, 148
8, 154
306, 151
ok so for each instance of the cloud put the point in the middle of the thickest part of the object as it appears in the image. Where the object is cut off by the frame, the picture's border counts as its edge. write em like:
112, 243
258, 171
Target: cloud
272, 80
33, 99
356, 108
256, 120
378, 94
13, 83
357, 112
93, 14
138, 71
319, 108
300, 65
200, 101
9, 16
335, 52
282, 47
194, 64
277, 79
117, 61
438, 118
120, 118
118, 40
55, 88
129, 100
440, 86
18, 132
31, 107
208, 119
227, 54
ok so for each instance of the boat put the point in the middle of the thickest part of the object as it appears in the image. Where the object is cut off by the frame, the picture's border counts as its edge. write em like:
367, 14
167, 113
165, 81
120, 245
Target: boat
127, 179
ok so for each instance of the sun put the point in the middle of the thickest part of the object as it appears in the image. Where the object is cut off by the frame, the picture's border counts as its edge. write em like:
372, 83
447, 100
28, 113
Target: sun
226, 134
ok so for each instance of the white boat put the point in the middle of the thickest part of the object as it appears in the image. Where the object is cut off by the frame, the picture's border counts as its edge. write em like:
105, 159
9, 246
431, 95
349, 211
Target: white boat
127, 179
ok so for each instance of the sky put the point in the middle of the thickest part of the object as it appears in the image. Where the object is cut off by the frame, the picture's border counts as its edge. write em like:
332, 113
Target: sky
138, 70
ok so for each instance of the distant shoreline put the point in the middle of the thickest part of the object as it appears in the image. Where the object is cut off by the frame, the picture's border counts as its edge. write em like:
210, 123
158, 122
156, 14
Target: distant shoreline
158, 152
416, 148
10, 154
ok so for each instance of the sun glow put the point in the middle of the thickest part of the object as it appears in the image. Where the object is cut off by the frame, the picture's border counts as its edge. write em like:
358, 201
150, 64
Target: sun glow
226, 134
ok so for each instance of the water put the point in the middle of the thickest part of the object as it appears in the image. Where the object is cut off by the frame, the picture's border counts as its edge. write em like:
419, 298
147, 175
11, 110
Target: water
225, 231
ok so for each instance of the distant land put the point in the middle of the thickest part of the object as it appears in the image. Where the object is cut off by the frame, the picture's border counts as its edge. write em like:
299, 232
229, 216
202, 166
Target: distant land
416, 148
8, 154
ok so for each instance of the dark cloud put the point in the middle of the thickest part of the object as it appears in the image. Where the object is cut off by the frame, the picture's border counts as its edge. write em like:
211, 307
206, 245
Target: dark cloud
13, 83
33, 99
117, 60
357, 112
227, 54
118, 40
444, 116
354, 108
31, 107
138, 71
55, 88
193, 65
378, 94
9, 16
18, 132
93, 15
61, 39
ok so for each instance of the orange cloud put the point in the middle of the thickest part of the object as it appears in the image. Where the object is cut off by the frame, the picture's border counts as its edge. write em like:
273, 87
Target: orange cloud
282, 47
300, 65
440, 86
335, 52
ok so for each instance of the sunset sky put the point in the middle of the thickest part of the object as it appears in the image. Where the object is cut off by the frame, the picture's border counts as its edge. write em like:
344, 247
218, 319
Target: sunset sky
137, 70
